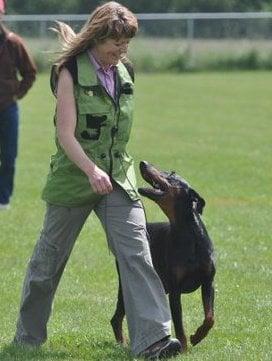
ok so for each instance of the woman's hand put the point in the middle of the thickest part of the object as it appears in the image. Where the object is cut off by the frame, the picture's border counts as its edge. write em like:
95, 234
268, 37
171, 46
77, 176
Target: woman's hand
100, 181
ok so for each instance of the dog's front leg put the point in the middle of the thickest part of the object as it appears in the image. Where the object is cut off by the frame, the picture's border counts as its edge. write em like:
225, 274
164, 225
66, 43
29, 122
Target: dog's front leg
176, 311
207, 291
119, 314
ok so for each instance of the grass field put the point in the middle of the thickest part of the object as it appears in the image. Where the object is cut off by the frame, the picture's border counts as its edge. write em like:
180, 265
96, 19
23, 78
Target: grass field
216, 131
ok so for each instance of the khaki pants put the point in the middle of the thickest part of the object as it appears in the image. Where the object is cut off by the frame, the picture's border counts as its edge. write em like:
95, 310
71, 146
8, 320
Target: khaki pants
147, 311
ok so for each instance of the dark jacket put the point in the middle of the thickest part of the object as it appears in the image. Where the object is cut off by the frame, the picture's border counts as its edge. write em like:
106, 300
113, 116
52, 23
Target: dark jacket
14, 60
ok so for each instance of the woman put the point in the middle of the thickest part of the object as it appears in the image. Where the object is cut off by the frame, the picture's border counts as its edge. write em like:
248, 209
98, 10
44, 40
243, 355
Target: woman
91, 170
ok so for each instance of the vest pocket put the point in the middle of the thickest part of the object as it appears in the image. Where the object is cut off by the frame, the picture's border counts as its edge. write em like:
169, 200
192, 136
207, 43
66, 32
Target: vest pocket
92, 107
60, 164
89, 101
91, 125
94, 123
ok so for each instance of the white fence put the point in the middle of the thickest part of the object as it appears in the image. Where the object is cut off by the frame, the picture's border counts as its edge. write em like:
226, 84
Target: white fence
198, 34
186, 25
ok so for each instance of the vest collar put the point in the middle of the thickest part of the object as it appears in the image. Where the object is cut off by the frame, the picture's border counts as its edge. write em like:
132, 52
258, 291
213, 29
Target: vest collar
87, 74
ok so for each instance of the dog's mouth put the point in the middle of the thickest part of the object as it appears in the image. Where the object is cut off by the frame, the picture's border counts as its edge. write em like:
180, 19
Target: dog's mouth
154, 177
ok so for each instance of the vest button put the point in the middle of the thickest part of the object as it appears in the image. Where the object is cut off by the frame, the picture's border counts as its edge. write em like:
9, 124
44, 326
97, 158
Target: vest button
117, 154
114, 130
103, 155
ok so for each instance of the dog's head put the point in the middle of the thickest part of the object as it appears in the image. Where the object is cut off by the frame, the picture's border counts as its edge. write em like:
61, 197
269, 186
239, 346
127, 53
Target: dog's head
169, 191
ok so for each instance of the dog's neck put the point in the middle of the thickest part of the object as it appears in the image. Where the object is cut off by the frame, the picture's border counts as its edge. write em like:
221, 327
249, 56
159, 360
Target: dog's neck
184, 226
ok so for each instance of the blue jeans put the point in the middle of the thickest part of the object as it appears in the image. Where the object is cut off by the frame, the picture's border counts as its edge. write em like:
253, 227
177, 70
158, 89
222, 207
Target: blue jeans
9, 119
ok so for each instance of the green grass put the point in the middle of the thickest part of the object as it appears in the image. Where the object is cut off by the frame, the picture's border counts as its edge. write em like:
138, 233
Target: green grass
215, 130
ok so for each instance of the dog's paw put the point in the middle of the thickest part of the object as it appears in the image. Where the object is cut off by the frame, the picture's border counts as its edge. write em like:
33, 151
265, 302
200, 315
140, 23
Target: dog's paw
194, 340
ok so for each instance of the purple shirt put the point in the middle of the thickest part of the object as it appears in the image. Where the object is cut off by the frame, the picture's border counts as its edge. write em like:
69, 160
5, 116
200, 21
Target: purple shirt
105, 75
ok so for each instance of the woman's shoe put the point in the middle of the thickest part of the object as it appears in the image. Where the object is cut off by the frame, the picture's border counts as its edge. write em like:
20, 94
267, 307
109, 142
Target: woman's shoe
163, 349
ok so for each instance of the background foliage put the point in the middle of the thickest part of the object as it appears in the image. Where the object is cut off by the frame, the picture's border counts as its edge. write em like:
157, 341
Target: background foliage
139, 6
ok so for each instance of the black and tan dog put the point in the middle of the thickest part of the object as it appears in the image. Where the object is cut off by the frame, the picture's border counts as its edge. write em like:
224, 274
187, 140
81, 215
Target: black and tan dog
182, 252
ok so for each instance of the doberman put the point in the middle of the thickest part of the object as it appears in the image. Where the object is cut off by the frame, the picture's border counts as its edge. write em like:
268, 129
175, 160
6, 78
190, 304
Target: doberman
181, 250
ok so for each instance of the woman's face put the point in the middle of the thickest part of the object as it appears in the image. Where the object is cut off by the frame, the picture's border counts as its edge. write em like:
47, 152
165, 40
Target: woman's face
111, 51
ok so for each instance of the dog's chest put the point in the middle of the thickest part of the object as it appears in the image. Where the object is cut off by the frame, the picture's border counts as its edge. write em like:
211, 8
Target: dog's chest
185, 279
188, 269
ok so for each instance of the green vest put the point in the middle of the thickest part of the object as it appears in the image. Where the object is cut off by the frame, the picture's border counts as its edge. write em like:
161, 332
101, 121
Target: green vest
103, 130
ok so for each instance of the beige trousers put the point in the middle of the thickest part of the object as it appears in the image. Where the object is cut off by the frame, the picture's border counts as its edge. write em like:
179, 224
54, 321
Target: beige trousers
146, 307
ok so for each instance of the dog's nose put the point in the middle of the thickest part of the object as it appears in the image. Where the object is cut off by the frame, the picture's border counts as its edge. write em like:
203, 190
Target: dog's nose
143, 165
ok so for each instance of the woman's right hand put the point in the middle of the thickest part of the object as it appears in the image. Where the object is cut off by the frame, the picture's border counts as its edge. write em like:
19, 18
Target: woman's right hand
100, 181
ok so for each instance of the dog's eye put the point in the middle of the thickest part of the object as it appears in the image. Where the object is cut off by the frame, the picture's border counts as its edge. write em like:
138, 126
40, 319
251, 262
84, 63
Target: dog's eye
171, 175
155, 185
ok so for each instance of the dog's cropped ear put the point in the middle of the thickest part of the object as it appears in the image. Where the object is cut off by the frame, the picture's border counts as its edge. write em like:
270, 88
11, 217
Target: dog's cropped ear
200, 202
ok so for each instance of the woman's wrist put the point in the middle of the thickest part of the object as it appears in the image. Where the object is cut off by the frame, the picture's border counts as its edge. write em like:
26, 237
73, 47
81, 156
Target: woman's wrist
90, 169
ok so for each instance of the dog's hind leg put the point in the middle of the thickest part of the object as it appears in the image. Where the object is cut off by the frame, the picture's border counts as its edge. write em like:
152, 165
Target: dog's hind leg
207, 291
176, 311
119, 314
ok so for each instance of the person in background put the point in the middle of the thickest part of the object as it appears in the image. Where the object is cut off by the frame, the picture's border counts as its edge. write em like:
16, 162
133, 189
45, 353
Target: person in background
14, 60
92, 171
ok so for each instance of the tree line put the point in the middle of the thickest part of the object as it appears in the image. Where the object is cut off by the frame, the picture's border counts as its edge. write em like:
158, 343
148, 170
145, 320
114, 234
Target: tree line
139, 6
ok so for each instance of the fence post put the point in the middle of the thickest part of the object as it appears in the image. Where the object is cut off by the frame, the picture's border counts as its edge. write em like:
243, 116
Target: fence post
190, 38
43, 28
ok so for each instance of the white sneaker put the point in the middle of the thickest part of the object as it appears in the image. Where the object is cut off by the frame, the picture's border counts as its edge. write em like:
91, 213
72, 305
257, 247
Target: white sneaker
4, 207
